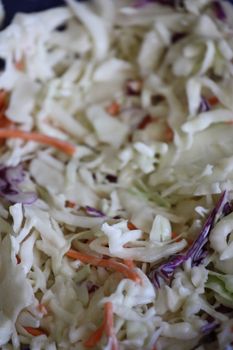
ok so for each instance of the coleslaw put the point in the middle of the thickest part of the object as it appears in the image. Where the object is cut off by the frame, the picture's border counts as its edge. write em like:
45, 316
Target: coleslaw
116, 176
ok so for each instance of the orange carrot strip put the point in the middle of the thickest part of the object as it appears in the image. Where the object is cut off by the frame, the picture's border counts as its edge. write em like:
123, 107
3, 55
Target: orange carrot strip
169, 135
3, 100
4, 121
107, 327
37, 137
129, 263
20, 65
213, 100
131, 226
36, 332
108, 322
108, 318
113, 109
176, 237
145, 121
107, 263
95, 337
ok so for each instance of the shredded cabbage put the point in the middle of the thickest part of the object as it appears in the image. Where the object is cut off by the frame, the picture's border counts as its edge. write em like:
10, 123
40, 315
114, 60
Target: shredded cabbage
120, 237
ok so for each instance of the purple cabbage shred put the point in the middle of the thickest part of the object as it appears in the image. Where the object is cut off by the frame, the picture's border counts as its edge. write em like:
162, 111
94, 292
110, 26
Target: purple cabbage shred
197, 252
209, 327
10, 178
204, 105
94, 212
219, 10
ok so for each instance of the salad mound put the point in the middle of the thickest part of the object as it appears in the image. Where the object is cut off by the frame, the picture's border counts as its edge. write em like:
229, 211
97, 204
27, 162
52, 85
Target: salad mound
116, 177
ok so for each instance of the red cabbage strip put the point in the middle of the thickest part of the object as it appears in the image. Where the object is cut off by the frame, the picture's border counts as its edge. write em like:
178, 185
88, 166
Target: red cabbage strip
94, 212
10, 178
219, 10
196, 252
204, 105
209, 327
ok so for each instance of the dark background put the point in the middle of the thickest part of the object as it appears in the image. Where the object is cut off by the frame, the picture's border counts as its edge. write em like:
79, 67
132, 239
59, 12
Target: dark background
13, 6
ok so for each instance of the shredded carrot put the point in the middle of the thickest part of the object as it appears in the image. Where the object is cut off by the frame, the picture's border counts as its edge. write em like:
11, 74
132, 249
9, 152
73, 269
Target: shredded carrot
36, 332
213, 101
18, 259
69, 204
131, 226
108, 318
113, 109
108, 263
5, 122
37, 137
20, 65
3, 100
129, 263
108, 321
145, 121
176, 236
168, 135
107, 327
95, 337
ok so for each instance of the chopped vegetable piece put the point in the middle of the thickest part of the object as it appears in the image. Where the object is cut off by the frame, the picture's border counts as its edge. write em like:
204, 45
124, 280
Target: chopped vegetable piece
131, 226
10, 178
3, 100
108, 263
107, 327
196, 251
145, 122
20, 65
219, 10
169, 134
36, 332
41, 138
212, 101
94, 212
204, 105
113, 109
129, 263
95, 337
